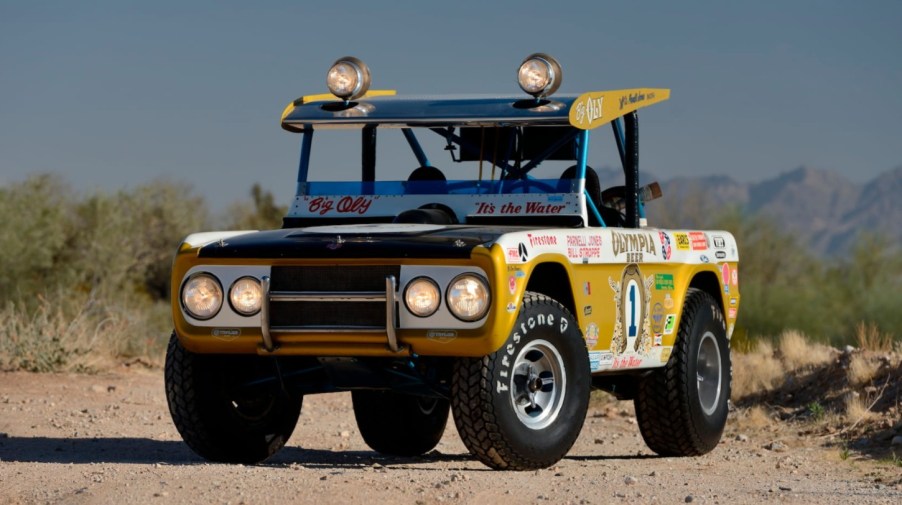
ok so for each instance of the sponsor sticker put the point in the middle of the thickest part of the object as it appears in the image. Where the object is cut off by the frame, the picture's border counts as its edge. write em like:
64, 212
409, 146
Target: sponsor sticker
669, 323
719, 242
665, 354
732, 313
587, 310
633, 245
583, 247
704, 259
720, 255
600, 360
591, 335
698, 240
524, 254
682, 241
664, 282
666, 250
668, 301
541, 240
657, 319
513, 254
512, 284
511, 307
594, 361
659, 339
587, 288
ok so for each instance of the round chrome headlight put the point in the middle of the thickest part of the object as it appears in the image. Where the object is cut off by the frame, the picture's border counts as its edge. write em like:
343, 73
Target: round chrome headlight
468, 297
539, 75
349, 78
202, 296
422, 297
246, 296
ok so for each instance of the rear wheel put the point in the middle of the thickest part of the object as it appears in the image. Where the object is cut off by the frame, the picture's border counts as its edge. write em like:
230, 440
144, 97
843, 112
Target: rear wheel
682, 408
399, 424
218, 416
523, 406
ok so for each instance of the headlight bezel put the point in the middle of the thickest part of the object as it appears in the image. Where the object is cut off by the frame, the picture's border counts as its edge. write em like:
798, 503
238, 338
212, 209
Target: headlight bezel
551, 68
361, 73
485, 287
232, 303
438, 295
218, 288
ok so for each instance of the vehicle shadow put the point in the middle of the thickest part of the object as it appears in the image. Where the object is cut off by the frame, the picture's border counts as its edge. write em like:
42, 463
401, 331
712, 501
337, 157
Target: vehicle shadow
132, 450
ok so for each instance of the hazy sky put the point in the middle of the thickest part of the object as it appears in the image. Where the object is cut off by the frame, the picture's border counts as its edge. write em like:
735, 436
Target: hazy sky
112, 94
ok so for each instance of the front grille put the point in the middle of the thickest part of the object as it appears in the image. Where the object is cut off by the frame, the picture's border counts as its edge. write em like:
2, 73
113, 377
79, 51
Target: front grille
322, 297
327, 314
332, 278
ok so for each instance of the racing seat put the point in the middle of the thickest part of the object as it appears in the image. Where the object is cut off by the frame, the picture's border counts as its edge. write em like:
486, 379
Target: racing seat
426, 174
593, 187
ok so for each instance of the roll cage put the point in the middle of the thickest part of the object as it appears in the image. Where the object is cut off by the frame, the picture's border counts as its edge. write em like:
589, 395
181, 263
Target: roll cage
509, 138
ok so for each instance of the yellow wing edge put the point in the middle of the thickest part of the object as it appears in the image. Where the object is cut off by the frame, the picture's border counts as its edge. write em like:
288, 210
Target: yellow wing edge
328, 97
596, 108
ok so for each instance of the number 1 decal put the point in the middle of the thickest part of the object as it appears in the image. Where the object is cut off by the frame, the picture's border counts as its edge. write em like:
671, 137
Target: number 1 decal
631, 309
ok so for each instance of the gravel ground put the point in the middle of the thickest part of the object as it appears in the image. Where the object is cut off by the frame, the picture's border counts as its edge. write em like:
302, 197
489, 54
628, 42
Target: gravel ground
68, 438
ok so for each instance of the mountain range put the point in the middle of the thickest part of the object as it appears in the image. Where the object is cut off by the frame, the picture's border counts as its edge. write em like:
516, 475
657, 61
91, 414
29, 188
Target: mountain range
823, 210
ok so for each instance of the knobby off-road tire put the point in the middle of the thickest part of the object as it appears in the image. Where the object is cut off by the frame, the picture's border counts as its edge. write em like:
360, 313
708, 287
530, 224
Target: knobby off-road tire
220, 422
523, 406
682, 408
400, 424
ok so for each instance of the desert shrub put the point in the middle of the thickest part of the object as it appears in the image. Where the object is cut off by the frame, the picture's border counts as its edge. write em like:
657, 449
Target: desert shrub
87, 278
260, 213
36, 225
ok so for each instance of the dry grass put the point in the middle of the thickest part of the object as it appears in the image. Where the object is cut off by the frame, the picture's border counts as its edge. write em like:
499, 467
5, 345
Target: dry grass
753, 419
756, 371
797, 351
858, 409
869, 337
862, 370
65, 333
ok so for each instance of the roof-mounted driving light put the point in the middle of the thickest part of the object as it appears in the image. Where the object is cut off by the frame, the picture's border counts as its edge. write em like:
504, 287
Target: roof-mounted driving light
349, 78
539, 75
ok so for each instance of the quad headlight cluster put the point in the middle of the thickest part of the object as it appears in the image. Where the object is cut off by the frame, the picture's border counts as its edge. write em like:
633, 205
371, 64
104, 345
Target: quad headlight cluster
467, 297
202, 296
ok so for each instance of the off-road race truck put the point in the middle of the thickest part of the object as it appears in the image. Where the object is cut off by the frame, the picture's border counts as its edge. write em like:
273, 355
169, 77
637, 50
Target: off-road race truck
486, 272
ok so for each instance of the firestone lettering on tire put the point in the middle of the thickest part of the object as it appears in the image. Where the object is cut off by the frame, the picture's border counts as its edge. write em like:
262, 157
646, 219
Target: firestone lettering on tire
511, 348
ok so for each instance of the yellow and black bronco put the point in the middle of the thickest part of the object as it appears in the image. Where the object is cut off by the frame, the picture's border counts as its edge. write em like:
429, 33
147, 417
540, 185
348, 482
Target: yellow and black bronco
480, 268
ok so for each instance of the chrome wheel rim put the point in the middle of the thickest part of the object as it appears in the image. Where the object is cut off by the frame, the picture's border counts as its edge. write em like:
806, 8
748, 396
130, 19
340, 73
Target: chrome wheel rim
538, 382
709, 373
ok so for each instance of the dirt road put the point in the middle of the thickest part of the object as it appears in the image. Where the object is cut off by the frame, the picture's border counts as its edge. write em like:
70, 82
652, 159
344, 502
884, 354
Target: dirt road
109, 439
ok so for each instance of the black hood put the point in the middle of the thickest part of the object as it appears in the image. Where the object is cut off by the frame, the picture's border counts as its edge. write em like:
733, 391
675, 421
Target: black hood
357, 241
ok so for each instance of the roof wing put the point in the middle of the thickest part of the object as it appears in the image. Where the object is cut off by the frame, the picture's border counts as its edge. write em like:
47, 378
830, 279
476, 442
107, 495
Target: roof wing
593, 109
585, 111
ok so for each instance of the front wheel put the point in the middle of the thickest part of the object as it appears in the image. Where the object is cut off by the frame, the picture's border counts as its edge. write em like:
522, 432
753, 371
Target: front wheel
682, 408
219, 416
523, 406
